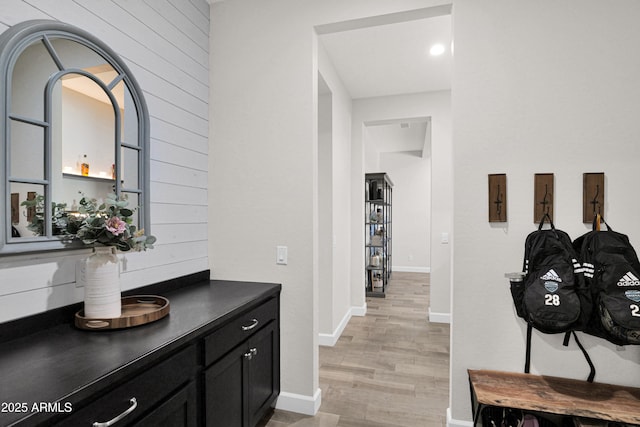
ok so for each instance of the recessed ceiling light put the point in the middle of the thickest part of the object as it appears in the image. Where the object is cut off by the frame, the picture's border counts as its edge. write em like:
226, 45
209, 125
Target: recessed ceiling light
436, 49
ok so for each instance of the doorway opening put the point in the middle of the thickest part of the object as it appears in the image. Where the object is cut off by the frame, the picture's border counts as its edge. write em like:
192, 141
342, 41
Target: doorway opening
382, 66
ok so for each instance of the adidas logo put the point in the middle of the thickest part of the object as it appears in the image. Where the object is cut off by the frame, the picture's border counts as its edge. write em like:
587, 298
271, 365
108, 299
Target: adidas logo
552, 275
629, 280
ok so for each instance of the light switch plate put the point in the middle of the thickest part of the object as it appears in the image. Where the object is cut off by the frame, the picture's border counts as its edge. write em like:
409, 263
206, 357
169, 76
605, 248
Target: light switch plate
281, 255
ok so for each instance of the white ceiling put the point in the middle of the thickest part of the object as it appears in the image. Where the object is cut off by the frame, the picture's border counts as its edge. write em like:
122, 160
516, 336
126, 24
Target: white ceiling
88, 87
389, 55
393, 59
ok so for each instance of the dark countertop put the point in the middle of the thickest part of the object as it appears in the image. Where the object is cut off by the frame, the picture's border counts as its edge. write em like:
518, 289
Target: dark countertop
66, 364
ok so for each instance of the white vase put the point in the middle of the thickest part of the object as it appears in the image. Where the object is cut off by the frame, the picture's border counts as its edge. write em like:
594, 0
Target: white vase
102, 284
375, 260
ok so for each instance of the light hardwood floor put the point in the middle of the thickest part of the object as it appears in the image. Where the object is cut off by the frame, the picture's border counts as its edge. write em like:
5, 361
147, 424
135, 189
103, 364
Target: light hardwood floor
389, 368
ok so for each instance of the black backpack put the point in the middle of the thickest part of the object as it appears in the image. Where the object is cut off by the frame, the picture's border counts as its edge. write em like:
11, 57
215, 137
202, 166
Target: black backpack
552, 297
612, 273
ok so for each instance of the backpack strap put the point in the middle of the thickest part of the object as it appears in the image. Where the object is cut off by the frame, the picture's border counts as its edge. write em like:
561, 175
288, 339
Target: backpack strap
597, 221
546, 216
527, 360
553, 227
565, 342
525, 268
592, 368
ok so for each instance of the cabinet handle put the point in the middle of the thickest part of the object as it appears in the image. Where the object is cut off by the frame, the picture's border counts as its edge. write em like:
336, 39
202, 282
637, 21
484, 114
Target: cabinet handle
252, 352
134, 405
251, 326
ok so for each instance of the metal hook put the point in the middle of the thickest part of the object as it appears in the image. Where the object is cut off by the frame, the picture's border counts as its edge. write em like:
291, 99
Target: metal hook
544, 201
498, 202
594, 202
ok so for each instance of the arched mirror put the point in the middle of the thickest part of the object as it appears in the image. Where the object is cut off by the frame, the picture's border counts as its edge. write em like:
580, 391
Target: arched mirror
74, 124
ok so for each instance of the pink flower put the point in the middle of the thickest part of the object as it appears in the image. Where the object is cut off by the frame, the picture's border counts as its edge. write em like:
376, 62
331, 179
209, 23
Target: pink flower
115, 225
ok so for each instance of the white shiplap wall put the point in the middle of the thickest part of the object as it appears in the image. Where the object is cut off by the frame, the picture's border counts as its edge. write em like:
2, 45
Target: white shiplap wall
165, 43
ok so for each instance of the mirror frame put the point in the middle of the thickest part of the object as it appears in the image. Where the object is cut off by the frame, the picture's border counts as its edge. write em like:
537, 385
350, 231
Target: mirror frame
12, 43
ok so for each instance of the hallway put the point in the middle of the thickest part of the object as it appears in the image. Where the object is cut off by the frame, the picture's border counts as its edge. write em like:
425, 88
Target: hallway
389, 368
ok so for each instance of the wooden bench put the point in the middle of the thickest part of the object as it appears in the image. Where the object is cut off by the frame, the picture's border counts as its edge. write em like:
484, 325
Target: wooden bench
553, 395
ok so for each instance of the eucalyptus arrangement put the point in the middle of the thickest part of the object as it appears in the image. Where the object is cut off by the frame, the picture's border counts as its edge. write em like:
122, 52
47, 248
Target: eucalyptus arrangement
108, 224
59, 220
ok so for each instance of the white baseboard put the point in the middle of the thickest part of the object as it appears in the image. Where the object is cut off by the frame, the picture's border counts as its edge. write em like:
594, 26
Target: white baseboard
439, 317
301, 404
411, 269
329, 340
457, 423
359, 311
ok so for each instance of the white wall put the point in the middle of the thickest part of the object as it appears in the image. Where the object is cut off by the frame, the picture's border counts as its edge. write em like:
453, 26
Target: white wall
540, 86
264, 149
325, 214
341, 238
165, 44
371, 155
87, 129
334, 307
436, 105
411, 176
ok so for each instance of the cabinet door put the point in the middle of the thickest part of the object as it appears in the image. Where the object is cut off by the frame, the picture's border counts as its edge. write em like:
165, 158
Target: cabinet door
224, 388
241, 387
263, 371
180, 410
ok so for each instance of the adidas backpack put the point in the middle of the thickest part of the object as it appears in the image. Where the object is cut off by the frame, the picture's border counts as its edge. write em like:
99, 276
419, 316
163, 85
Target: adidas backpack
612, 272
552, 297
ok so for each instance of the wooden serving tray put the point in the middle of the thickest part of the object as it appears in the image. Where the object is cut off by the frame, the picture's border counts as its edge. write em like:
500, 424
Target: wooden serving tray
136, 310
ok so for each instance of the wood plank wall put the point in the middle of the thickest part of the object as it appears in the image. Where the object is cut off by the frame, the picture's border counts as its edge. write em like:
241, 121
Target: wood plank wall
165, 43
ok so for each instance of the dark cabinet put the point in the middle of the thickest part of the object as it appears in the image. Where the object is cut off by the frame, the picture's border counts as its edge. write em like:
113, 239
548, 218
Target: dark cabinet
241, 386
163, 391
180, 410
215, 361
224, 391
263, 372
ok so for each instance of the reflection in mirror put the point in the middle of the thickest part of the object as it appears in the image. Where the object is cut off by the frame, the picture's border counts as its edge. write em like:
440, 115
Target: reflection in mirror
30, 210
83, 123
74, 55
27, 151
133, 200
129, 164
76, 126
86, 131
30, 75
130, 120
